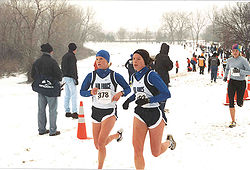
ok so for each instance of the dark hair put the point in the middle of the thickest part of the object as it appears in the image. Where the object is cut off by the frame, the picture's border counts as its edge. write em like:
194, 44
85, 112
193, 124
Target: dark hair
72, 46
145, 55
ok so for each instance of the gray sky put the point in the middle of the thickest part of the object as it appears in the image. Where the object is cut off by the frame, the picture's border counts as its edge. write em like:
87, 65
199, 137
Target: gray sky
138, 15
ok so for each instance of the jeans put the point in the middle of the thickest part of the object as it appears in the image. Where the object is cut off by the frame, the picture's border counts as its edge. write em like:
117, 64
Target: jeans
214, 70
70, 94
42, 119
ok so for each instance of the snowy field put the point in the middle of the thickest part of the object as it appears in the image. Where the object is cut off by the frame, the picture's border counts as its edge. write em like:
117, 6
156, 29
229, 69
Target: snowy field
197, 119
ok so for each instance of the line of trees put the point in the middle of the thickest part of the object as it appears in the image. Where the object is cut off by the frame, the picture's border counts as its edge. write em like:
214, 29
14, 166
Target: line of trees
227, 26
26, 24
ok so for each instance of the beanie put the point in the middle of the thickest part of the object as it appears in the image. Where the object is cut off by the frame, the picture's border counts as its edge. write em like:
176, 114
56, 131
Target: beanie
46, 48
145, 55
104, 54
236, 46
72, 46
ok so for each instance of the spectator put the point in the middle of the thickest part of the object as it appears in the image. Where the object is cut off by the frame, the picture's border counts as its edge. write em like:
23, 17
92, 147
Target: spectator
47, 70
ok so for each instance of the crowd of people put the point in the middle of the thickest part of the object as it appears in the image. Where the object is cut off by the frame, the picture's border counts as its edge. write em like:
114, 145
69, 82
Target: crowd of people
149, 79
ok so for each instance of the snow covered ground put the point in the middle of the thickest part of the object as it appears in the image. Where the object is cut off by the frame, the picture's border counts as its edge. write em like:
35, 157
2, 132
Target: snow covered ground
197, 119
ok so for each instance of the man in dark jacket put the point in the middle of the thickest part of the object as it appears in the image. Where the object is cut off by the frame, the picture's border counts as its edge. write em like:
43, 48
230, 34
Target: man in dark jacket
130, 67
70, 77
47, 66
213, 64
163, 65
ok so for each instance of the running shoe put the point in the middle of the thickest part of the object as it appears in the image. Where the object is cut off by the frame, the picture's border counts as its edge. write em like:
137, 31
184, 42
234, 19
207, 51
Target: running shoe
172, 142
120, 135
233, 124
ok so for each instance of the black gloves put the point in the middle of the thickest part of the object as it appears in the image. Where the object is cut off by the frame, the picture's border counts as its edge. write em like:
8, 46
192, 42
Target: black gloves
126, 104
236, 70
225, 79
142, 101
76, 81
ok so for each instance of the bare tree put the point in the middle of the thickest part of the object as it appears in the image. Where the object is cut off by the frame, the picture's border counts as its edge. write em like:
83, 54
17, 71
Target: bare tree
26, 24
183, 25
169, 24
234, 24
121, 33
198, 22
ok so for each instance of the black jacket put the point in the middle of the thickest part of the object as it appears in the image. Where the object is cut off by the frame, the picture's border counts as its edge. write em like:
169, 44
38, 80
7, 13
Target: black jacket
129, 66
69, 68
163, 64
47, 66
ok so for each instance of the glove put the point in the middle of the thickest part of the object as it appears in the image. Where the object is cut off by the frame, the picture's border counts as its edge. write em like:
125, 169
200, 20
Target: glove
126, 104
76, 81
225, 79
236, 70
143, 101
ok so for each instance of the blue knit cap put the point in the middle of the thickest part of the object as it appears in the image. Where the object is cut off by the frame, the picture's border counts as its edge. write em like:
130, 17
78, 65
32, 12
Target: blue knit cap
236, 46
104, 54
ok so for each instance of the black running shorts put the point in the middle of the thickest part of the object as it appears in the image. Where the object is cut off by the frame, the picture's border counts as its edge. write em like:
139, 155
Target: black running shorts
100, 115
150, 116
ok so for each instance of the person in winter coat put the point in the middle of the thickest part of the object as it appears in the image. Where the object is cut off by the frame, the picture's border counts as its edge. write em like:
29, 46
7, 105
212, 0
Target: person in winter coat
177, 66
239, 69
70, 77
163, 65
47, 66
213, 64
101, 85
149, 90
194, 62
224, 63
201, 63
130, 67
188, 62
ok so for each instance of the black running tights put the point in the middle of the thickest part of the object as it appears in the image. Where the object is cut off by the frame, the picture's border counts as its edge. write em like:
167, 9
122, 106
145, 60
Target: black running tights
239, 87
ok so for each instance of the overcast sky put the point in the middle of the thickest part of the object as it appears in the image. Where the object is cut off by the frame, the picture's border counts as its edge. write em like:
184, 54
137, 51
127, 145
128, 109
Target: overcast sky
138, 15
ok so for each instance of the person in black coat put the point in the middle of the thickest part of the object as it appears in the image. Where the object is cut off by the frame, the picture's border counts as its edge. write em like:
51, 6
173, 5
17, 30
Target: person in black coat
130, 67
47, 66
70, 77
162, 66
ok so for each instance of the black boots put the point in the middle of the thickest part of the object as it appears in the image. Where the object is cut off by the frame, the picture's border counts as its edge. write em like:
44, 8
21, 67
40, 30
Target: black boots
73, 115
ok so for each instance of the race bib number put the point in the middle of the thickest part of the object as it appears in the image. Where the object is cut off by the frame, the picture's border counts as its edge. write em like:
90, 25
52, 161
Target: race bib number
234, 74
140, 95
104, 96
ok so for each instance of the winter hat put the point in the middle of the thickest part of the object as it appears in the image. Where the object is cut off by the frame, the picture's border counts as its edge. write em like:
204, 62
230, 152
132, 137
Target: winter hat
104, 54
236, 46
145, 55
72, 46
46, 48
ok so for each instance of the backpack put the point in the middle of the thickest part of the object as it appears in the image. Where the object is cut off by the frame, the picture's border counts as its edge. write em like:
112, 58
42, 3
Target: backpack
214, 62
46, 85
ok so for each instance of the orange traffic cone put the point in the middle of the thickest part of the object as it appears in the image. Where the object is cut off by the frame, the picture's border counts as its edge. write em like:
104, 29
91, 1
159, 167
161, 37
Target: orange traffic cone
246, 97
227, 99
81, 131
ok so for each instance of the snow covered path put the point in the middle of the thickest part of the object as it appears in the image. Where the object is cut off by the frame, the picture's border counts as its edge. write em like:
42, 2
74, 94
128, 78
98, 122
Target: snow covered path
198, 121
